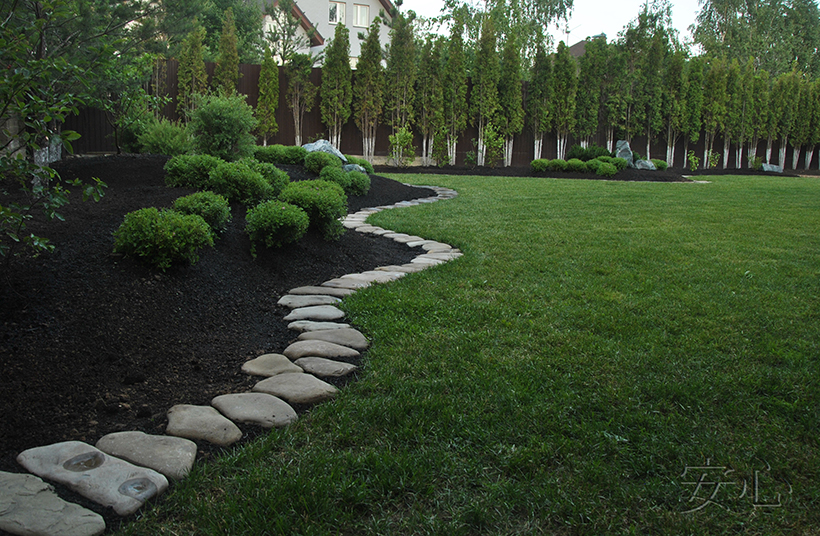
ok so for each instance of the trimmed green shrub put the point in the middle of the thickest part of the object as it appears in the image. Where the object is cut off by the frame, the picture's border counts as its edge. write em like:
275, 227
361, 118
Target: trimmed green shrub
557, 165
161, 238
592, 165
213, 208
591, 152
540, 165
359, 183
275, 223
325, 203
281, 154
619, 163
337, 175
190, 170
368, 167
660, 164
237, 181
576, 166
164, 137
277, 178
607, 170
221, 126
316, 161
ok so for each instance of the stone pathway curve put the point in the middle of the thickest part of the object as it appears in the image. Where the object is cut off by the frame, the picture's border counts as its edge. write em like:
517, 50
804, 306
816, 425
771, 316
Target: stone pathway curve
125, 469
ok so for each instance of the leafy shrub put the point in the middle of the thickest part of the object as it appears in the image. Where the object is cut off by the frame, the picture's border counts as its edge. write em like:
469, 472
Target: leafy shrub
316, 161
221, 126
591, 152
660, 164
607, 170
281, 154
694, 161
160, 238
619, 163
593, 165
557, 165
576, 166
213, 208
540, 165
402, 151
237, 181
275, 223
337, 175
277, 178
756, 164
359, 183
190, 170
494, 145
368, 167
325, 203
164, 137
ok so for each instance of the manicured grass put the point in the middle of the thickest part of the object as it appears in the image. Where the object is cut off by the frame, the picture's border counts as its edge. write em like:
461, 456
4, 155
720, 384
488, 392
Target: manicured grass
596, 342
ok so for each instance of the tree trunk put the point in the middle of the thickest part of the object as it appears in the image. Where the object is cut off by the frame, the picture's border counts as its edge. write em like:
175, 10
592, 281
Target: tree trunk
782, 157
795, 157
610, 139
685, 151
809, 156
451, 149
508, 151
727, 144
480, 150
538, 146
769, 142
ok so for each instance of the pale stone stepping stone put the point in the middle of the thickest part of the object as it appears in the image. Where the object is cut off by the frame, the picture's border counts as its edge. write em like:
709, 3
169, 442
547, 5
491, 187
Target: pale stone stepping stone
349, 337
171, 456
294, 301
202, 422
436, 247
95, 475
318, 349
383, 276
29, 506
324, 368
444, 256
269, 365
296, 388
327, 291
395, 268
255, 408
308, 325
349, 283
317, 312
424, 259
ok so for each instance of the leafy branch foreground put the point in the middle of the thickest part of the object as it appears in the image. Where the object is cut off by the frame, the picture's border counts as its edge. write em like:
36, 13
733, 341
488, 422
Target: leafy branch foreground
598, 345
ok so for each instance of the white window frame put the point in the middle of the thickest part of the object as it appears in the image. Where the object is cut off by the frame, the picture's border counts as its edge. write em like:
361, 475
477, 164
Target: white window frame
358, 19
340, 12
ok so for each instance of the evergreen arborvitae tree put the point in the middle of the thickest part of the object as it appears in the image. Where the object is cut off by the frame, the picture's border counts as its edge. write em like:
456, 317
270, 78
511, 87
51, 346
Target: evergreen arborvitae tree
674, 99
733, 98
742, 111
301, 91
592, 66
714, 106
613, 98
227, 74
693, 119
401, 71
785, 96
368, 90
564, 92
539, 99
429, 97
651, 92
268, 97
511, 109
337, 88
192, 77
455, 89
484, 101
814, 129
759, 112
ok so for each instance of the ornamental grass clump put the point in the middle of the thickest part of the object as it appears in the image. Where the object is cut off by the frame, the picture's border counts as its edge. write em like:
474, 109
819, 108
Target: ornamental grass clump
275, 223
325, 203
161, 238
238, 182
316, 161
213, 208
281, 154
190, 170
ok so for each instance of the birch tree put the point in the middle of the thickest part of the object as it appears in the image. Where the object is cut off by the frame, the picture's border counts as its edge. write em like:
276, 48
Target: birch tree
455, 89
802, 121
368, 90
674, 99
759, 117
733, 98
337, 89
693, 118
301, 91
814, 130
590, 77
539, 100
786, 96
511, 106
565, 87
741, 110
484, 105
714, 106
429, 97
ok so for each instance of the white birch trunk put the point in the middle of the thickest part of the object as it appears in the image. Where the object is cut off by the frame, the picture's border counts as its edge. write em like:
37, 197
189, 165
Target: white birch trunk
584, 143
538, 146
738, 155
648, 149
751, 153
727, 144
610, 139
795, 157
480, 150
508, 151
782, 157
451, 149
769, 142
809, 156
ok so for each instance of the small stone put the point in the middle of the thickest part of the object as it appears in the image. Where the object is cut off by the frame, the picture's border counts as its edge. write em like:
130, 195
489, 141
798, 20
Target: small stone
424, 259
316, 312
295, 301
436, 246
308, 325
318, 349
444, 256
171, 456
327, 291
30, 506
202, 422
348, 283
383, 276
297, 388
269, 365
349, 337
255, 408
325, 367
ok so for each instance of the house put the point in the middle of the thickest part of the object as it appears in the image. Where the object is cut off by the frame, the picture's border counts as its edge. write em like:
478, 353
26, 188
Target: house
318, 20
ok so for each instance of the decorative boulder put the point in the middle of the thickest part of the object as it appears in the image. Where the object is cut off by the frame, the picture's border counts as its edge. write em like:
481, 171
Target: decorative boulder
354, 167
622, 150
771, 168
324, 146
644, 164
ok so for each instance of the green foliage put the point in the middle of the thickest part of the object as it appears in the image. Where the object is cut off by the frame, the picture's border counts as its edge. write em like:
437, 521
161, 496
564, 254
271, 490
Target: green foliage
539, 100
619, 163
592, 166
190, 170
713, 158
368, 90
510, 120
274, 176
238, 182
694, 161
301, 91
221, 127
484, 93
275, 223
325, 203
316, 161
268, 97
660, 164
336, 174
359, 183
540, 165
454, 88
191, 76
402, 151
575, 165
564, 93
226, 74
165, 137
337, 88
606, 170
494, 145
557, 164
400, 72
757, 163
589, 153
368, 167
160, 238
213, 208
281, 154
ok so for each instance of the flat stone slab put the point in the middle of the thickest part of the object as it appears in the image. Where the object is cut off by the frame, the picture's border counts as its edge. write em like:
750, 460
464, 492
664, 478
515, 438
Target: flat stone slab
324, 368
348, 283
316, 312
90, 472
318, 348
297, 388
29, 506
326, 291
171, 456
255, 408
436, 246
384, 276
202, 422
308, 325
295, 301
352, 338
269, 365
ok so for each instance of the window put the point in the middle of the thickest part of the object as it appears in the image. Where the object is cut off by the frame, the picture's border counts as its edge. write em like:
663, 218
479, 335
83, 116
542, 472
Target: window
337, 13
362, 15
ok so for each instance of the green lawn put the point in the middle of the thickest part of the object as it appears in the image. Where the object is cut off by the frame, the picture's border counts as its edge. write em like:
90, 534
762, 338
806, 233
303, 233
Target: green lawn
596, 344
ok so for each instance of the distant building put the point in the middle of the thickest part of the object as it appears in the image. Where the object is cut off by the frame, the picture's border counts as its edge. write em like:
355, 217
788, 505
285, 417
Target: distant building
578, 49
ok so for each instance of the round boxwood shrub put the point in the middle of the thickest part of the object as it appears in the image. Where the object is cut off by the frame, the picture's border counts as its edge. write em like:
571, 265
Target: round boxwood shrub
540, 165
557, 165
607, 170
277, 178
325, 203
316, 161
221, 126
275, 223
213, 208
576, 165
619, 163
337, 175
359, 183
660, 164
238, 182
592, 165
190, 170
368, 167
281, 154
162, 237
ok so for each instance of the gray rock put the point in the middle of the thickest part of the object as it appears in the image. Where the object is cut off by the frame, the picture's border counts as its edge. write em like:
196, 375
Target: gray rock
95, 475
336, 292
297, 388
29, 506
325, 147
255, 408
321, 313
771, 168
622, 150
202, 422
171, 456
349, 337
307, 325
348, 283
645, 164
354, 167
318, 349
269, 365
324, 368
307, 300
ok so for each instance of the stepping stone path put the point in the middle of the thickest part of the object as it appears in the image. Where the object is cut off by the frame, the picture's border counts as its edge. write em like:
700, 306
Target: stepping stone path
125, 469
